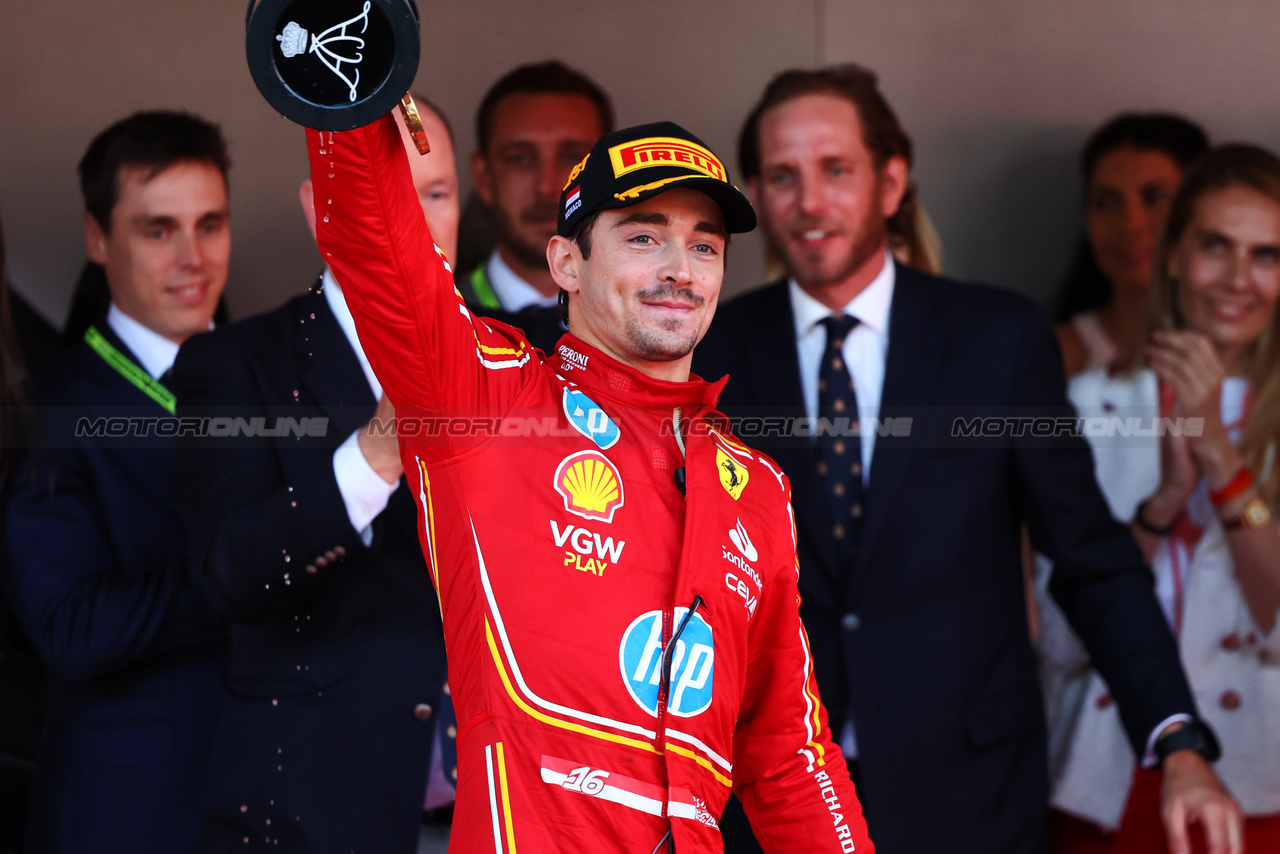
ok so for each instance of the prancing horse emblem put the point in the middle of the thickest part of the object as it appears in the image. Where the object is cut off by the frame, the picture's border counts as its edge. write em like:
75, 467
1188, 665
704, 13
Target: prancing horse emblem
733, 475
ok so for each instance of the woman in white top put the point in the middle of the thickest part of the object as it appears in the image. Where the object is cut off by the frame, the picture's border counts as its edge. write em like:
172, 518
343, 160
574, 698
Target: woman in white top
1199, 489
1131, 167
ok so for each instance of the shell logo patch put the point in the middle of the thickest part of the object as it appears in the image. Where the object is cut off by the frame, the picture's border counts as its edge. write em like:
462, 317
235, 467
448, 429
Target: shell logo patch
590, 485
733, 474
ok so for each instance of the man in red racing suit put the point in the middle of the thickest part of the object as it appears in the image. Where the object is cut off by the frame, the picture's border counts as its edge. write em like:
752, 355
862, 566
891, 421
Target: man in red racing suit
577, 512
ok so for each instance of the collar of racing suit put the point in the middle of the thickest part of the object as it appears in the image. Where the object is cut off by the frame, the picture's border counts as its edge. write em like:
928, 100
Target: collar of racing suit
604, 375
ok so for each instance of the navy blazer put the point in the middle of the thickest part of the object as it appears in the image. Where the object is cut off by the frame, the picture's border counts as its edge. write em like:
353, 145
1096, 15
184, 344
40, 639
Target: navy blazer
96, 571
924, 638
320, 749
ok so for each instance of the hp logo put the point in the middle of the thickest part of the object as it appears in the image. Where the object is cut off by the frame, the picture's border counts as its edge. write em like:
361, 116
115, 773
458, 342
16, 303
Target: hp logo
692, 664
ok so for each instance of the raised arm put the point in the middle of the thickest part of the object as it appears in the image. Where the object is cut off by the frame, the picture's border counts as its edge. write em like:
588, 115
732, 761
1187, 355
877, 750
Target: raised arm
426, 348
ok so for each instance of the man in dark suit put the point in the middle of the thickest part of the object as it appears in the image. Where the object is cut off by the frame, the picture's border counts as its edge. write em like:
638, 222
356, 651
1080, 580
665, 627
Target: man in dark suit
307, 538
908, 538
96, 557
533, 126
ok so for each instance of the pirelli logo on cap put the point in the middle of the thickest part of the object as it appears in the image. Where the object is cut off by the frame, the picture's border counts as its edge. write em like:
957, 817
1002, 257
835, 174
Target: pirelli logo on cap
664, 151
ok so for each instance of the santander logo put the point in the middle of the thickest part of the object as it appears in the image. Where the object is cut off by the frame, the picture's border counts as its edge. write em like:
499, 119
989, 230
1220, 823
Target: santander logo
743, 543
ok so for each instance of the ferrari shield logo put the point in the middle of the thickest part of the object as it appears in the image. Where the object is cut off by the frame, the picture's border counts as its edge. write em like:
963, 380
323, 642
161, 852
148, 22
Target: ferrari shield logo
733, 475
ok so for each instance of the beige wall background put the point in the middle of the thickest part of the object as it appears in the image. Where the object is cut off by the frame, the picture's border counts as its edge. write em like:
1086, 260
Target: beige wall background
998, 94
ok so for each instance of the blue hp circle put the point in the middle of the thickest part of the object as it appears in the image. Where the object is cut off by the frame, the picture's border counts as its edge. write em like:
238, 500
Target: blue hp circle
692, 664
590, 420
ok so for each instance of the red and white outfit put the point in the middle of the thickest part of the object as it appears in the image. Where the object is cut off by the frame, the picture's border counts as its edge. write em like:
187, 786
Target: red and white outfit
1232, 665
565, 558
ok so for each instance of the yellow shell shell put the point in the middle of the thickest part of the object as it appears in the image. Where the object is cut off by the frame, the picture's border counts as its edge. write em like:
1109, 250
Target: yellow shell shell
591, 484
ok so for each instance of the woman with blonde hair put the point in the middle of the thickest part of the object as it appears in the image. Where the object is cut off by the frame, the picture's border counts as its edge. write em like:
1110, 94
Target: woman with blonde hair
1198, 483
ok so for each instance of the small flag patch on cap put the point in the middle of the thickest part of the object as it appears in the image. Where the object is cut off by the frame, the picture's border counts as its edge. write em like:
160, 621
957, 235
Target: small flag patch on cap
572, 201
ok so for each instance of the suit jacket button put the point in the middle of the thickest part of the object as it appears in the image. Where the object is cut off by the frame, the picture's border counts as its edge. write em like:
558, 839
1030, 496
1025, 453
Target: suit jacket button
1231, 642
851, 622
451, 731
422, 712
1104, 701
1230, 700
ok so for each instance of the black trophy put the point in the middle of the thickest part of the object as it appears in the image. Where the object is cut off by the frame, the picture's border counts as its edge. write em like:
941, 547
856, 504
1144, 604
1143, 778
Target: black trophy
336, 64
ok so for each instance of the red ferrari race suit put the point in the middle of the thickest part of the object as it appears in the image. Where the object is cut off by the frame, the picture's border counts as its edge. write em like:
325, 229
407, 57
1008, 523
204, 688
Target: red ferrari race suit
566, 559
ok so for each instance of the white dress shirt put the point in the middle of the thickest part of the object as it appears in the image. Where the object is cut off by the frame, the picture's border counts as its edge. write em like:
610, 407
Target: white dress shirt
363, 490
154, 352
865, 349
513, 292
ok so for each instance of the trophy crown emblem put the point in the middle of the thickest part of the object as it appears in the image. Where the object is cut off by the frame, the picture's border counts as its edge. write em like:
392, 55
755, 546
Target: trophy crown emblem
333, 64
293, 40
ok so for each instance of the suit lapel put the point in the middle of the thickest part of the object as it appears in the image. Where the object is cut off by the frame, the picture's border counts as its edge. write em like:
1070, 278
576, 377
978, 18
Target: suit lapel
772, 370
916, 344
331, 372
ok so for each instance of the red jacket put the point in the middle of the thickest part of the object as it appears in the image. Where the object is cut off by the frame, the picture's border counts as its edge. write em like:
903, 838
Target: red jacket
565, 557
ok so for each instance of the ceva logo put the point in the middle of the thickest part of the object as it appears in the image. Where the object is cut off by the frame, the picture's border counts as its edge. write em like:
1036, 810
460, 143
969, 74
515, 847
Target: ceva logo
692, 664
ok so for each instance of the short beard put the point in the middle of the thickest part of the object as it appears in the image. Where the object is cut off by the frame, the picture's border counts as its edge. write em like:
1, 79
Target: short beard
653, 346
867, 242
509, 236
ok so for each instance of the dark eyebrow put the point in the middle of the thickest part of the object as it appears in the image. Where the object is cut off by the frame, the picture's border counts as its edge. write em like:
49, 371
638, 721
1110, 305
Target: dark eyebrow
150, 221
710, 228
642, 218
1211, 234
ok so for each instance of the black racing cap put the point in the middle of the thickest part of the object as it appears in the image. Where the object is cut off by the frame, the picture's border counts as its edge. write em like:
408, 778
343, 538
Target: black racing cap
633, 164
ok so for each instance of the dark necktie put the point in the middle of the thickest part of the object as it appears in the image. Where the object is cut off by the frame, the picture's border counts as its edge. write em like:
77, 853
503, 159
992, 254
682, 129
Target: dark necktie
840, 448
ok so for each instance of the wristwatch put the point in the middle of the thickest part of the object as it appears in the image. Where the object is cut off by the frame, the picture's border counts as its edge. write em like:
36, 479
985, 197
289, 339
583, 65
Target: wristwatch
1195, 735
1256, 514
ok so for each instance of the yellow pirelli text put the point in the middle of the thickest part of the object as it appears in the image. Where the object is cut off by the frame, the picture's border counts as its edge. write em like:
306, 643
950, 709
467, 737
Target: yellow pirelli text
664, 151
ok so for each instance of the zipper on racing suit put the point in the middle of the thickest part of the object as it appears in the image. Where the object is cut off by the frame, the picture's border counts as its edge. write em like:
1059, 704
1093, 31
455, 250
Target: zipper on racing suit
664, 687
668, 617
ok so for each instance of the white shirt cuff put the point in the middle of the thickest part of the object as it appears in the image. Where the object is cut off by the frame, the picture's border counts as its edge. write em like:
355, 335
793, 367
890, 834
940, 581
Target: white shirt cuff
363, 490
1149, 759
849, 740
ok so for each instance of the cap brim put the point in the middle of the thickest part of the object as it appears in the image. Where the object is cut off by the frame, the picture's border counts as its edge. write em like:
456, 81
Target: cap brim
739, 215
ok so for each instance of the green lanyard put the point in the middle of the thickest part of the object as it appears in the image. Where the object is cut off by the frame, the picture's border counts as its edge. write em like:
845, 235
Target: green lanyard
130, 370
483, 290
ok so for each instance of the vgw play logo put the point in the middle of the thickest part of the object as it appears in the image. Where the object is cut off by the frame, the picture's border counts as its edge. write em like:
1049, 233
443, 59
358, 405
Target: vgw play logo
692, 664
